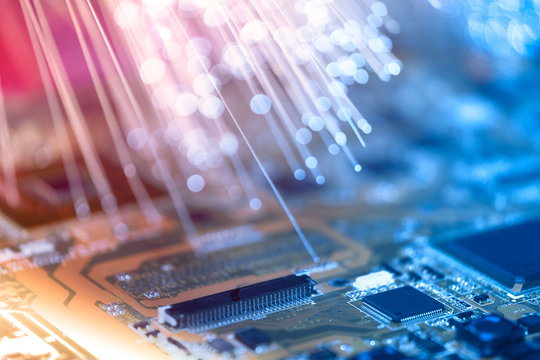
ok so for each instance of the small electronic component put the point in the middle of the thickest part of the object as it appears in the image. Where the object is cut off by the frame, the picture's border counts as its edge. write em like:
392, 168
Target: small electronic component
453, 323
252, 338
529, 350
373, 280
141, 325
531, 323
414, 277
432, 272
178, 345
221, 346
481, 298
238, 304
404, 304
36, 247
514, 267
463, 304
490, 334
426, 344
391, 269
152, 333
466, 315
338, 282
405, 260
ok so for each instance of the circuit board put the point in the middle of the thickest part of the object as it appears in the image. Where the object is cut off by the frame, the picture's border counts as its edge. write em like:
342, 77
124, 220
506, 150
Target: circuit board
73, 298
432, 251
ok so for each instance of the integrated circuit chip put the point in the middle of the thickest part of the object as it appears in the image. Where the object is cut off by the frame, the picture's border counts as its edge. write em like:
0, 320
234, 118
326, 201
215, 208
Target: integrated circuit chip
490, 334
252, 338
531, 323
221, 346
402, 305
509, 255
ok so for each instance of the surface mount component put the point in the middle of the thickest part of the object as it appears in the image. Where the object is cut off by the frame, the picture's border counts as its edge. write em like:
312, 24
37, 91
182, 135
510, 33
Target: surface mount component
221, 346
515, 266
373, 280
252, 338
404, 304
489, 335
531, 323
238, 304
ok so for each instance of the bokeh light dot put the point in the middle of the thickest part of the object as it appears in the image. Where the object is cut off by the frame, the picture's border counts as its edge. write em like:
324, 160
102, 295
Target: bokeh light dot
255, 204
299, 174
303, 136
333, 149
260, 104
311, 162
152, 70
186, 104
195, 183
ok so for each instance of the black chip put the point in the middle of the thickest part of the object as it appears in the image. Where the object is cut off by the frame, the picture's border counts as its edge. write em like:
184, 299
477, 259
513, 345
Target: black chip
178, 345
338, 282
141, 325
431, 271
252, 338
466, 315
152, 333
221, 346
531, 323
529, 350
481, 298
390, 269
414, 277
490, 335
426, 344
509, 255
404, 260
402, 304
464, 304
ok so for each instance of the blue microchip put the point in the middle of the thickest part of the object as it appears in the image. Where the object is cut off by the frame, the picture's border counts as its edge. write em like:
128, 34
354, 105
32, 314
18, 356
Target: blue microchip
509, 255
490, 335
403, 304
531, 323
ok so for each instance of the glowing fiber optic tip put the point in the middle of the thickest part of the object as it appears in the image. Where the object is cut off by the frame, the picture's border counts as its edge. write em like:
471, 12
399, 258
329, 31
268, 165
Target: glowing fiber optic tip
311, 162
195, 183
299, 174
255, 204
260, 104
333, 149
